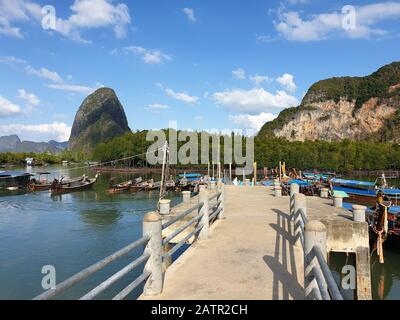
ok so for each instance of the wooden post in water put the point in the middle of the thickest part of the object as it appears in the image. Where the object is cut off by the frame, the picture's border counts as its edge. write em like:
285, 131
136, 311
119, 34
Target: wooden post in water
152, 226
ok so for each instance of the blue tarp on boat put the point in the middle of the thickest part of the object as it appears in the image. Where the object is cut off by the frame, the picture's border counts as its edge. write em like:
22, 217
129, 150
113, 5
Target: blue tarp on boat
363, 192
299, 182
353, 183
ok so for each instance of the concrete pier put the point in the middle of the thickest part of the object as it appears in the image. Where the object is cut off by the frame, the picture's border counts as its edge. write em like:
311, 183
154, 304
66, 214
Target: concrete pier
252, 253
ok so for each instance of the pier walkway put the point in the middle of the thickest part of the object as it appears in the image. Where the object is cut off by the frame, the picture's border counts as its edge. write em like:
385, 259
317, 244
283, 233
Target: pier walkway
249, 255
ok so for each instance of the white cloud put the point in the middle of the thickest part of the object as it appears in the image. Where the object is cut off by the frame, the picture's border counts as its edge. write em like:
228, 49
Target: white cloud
189, 14
254, 101
11, 60
149, 56
86, 14
44, 74
239, 74
58, 131
182, 96
254, 122
287, 81
91, 14
30, 99
258, 80
72, 88
157, 107
17, 11
8, 109
321, 26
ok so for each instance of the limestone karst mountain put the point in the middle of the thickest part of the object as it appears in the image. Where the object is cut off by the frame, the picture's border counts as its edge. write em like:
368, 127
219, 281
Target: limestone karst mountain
100, 118
360, 108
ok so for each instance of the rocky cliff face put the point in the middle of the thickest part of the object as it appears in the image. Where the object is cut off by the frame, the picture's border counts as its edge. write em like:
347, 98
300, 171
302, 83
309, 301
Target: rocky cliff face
100, 118
345, 108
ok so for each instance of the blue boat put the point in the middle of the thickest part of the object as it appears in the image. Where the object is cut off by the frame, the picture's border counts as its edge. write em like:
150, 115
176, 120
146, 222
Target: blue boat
365, 192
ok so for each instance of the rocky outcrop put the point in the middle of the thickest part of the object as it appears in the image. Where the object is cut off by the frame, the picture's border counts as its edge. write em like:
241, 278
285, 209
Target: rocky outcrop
344, 108
100, 118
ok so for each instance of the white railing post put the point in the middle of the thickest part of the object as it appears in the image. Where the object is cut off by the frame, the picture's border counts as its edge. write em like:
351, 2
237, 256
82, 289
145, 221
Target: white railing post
294, 189
205, 220
314, 235
299, 204
152, 226
359, 213
186, 197
222, 200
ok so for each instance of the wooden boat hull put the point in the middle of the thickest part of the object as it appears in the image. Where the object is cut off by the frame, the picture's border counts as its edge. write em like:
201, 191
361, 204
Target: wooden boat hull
57, 190
136, 188
39, 187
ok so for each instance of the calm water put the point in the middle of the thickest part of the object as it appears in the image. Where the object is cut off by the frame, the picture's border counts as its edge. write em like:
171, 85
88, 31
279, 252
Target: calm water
76, 230
69, 232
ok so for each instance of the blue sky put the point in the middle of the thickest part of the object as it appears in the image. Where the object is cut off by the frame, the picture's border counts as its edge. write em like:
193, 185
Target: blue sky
206, 64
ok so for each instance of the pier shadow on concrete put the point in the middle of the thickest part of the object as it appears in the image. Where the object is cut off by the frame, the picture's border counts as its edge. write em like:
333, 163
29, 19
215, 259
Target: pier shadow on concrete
286, 283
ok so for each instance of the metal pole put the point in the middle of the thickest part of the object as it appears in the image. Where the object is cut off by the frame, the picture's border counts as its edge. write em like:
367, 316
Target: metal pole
163, 169
230, 172
152, 225
205, 221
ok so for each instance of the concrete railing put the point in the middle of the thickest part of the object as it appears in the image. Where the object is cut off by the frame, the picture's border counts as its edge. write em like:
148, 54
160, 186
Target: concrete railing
156, 252
81, 276
319, 283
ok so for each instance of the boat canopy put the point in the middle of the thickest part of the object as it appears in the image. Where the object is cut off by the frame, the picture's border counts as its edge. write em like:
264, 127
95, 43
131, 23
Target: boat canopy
353, 183
13, 174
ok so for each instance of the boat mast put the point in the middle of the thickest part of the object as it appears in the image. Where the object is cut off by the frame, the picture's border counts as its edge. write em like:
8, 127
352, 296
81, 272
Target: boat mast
162, 186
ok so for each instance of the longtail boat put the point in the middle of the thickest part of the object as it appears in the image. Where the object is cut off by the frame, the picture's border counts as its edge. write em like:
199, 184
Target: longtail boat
365, 192
59, 187
10, 180
384, 222
120, 187
40, 184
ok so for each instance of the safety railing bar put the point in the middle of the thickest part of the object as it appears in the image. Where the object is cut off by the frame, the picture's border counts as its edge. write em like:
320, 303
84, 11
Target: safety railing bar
332, 285
115, 277
322, 285
182, 242
182, 215
60, 288
315, 291
124, 293
215, 196
303, 216
214, 215
181, 229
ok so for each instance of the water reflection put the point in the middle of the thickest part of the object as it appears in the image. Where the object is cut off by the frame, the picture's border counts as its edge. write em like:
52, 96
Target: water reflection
100, 217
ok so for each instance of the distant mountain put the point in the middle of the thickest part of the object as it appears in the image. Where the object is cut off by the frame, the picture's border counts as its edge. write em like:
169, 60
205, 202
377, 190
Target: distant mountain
9, 143
100, 118
357, 108
14, 144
